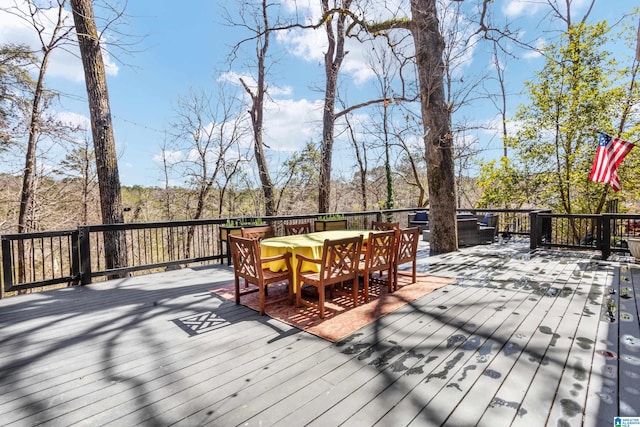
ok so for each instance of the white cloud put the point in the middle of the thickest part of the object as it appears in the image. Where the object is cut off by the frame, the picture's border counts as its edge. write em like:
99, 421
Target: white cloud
15, 27
535, 54
234, 78
311, 44
74, 119
290, 124
170, 156
517, 8
528, 8
493, 127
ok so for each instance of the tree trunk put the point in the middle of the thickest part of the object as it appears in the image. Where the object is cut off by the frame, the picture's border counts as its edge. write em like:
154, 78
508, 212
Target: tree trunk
25, 221
436, 116
102, 131
257, 115
332, 63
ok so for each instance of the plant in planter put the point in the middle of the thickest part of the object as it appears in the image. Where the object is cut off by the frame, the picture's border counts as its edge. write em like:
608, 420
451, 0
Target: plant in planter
330, 222
233, 226
243, 222
634, 246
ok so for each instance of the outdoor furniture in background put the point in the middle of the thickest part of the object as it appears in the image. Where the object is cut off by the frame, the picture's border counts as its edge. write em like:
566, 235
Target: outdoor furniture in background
407, 249
470, 232
338, 263
299, 228
419, 219
384, 226
489, 220
261, 232
248, 265
379, 256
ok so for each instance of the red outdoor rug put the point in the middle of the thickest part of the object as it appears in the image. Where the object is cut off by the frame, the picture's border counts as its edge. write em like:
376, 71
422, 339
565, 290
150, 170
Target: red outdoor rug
341, 317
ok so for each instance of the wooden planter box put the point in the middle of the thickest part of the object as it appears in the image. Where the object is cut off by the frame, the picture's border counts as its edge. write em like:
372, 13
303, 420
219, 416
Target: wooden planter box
225, 231
331, 224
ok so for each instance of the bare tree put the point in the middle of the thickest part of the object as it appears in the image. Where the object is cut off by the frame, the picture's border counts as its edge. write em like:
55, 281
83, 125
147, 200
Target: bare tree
200, 132
102, 130
50, 37
360, 150
261, 30
207, 130
333, 58
411, 170
298, 180
80, 164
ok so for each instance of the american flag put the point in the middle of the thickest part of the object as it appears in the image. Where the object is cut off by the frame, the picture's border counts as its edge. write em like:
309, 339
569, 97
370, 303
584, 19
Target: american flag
609, 154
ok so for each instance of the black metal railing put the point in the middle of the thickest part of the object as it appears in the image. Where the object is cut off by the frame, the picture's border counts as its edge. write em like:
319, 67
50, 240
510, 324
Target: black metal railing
69, 257
606, 233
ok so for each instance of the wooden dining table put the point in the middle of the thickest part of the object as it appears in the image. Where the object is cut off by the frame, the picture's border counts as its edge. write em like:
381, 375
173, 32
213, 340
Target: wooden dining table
309, 245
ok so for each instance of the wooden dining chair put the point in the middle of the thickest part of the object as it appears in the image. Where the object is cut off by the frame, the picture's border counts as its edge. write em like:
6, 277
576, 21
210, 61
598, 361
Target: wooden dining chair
383, 226
339, 263
299, 228
379, 256
248, 265
407, 249
259, 233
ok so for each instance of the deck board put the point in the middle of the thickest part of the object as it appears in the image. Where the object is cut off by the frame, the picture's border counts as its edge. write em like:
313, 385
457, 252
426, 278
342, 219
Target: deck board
334, 370
520, 339
470, 408
571, 395
445, 351
382, 361
378, 346
629, 341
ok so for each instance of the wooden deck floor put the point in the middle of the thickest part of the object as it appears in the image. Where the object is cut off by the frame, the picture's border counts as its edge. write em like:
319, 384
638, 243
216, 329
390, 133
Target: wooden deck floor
521, 339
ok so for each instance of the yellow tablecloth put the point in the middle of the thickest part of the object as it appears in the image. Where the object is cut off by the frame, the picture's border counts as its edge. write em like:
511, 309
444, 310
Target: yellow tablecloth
309, 245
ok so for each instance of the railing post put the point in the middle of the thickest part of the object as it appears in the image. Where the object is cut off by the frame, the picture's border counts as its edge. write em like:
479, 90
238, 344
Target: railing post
605, 244
7, 269
85, 255
535, 231
545, 228
75, 257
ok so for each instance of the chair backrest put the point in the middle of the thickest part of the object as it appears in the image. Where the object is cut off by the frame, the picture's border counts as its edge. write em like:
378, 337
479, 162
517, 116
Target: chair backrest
245, 253
340, 258
407, 245
421, 216
262, 232
299, 228
383, 226
381, 248
493, 221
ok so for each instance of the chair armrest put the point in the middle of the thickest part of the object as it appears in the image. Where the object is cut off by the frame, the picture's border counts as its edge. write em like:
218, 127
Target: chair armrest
302, 259
285, 256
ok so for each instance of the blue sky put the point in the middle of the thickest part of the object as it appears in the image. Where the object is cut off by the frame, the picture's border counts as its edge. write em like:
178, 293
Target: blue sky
186, 47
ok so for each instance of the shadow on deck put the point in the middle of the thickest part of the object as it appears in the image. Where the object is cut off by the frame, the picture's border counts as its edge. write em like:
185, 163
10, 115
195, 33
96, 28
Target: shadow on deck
521, 338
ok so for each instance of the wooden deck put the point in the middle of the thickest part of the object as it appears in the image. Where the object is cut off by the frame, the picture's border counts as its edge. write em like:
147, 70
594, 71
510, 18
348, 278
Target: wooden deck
521, 339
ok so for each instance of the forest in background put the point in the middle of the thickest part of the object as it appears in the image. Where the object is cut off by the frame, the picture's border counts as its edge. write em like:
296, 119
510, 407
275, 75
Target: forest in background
64, 205
546, 158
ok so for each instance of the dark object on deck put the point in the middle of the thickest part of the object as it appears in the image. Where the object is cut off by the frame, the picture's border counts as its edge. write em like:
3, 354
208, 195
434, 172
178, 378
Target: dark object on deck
587, 240
419, 219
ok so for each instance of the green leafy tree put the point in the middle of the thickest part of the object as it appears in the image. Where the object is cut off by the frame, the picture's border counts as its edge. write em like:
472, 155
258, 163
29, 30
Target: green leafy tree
15, 84
579, 90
